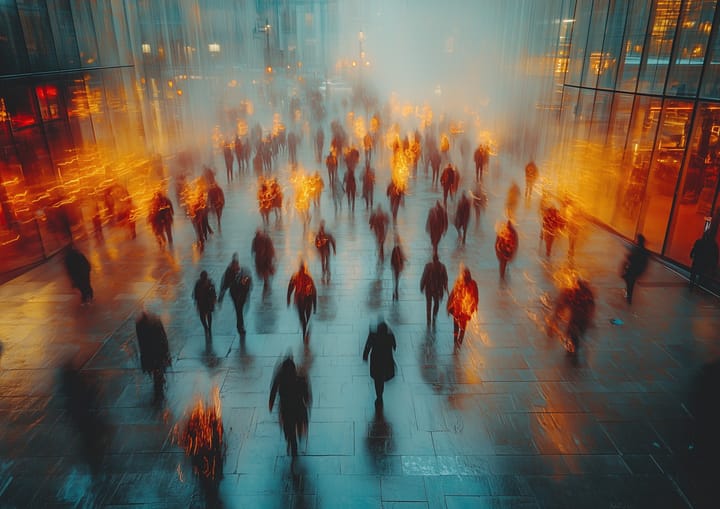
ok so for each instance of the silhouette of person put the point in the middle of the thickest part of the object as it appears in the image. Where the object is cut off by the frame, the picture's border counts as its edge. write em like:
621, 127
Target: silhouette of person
154, 351
380, 345
302, 285
378, 222
634, 266
704, 255
436, 224
578, 302
397, 262
368, 185
78, 269
323, 242
506, 245
434, 284
295, 399
263, 250
205, 297
462, 304
462, 217
531, 175
237, 279
552, 224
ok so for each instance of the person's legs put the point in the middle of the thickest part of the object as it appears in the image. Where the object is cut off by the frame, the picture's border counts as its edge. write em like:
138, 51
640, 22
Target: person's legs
436, 308
239, 305
629, 287
379, 387
428, 304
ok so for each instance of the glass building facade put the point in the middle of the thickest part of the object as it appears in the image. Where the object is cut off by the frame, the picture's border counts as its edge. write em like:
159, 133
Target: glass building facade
638, 97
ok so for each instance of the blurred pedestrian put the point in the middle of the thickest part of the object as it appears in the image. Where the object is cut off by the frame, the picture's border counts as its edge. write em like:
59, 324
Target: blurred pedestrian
506, 245
511, 202
238, 280
331, 163
531, 175
205, 298
462, 304
396, 195
479, 201
154, 351
216, 200
704, 255
449, 181
480, 156
379, 346
229, 159
634, 266
462, 217
161, 218
397, 262
323, 242
295, 395
552, 224
576, 304
302, 285
434, 284
78, 269
350, 188
379, 221
263, 250
368, 185
436, 224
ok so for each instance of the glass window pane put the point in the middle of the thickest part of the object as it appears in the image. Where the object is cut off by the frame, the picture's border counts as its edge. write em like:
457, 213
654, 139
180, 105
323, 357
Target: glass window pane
85, 30
38, 37
121, 32
710, 87
103, 21
601, 116
635, 28
79, 113
654, 68
698, 184
620, 123
13, 54
612, 45
596, 61
641, 136
578, 47
63, 30
664, 171
690, 46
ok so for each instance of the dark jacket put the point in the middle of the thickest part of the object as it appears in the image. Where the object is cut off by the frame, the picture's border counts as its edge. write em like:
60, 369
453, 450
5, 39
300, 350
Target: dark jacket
205, 295
153, 343
434, 279
380, 345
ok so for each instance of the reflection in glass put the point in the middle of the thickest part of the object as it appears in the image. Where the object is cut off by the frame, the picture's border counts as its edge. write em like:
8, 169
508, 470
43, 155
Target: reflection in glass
635, 26
654, 67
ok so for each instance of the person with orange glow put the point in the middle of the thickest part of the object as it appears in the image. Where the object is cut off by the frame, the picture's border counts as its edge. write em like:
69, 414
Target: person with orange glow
161, 218
293, 388
397, 262
552, 224
436, 224
395, 194
462, 217
511, 202
449, 181
368, 147
323, 242
434, 284
506, 245
263, 250
331, 163
480, 156
462, 304
302, 285
379, 221
368, 185
577, 304
531, 175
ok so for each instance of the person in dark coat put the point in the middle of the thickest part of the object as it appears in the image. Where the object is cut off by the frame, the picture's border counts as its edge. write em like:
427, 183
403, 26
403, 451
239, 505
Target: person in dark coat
323, 242
378, 222
368, 185
462, 217
436, 225
380, 345
78, 268
237, 279
704, 256
350, 187
434, 284
552, 224
634, 266
205, 297
462, 304
448, 182
397, 262
295, 400
229, 160
161, 218
302, 285
154, 350
577, 304
264, 251
506, 245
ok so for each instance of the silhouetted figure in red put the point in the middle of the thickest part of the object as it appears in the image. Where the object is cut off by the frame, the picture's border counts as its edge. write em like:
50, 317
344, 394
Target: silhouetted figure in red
552, 224
240, 150
200, 221
397, 262
395, 194
434, 284
238, 280
292, 143
480, 156
324, 241
511, 202
352, 159
462, 217
704, 255
449, 180
302, 285
154, 351
368, 147
462, 304
216, 200
506, 245
331, 163
479, 201
270, 197
78, 269
436, 225
319, 142
435, 161
229, 159
634, 266
531, 176
379, 222
263, 251
577, 305
161, 218
379, 346
295, 400
368, 185
350, 188
205, 298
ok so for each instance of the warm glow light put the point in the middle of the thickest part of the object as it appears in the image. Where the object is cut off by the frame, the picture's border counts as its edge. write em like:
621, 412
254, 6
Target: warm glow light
214, 47
146, 48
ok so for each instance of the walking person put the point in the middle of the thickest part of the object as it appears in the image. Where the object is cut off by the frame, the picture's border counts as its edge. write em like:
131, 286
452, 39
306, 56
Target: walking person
263, 250
531, 175
397, 262
205, 298
154, 351
462, 217
323, 242
434, 284
462, 304
237, 279
577, 304
436, 224
303, 286
506, 245
78, 269
379, 346
704, 255
368, 185
378, 222
634, 266
295, 395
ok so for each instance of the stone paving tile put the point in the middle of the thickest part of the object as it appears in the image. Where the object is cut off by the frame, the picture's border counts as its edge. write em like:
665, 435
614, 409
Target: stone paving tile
508, 421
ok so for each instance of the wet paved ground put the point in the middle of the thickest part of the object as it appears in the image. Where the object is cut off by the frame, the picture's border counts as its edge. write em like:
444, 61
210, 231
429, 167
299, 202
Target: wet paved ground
509, 421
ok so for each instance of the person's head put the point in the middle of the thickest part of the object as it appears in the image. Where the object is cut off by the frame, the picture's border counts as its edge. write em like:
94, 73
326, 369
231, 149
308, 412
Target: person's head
382, 327
467, 277
204, 275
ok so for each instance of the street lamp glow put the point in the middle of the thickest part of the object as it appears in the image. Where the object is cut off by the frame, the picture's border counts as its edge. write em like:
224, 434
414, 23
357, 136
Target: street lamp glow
146, 48
214, 47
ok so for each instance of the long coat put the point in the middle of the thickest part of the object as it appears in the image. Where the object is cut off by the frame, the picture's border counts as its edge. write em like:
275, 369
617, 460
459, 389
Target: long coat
380, 345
